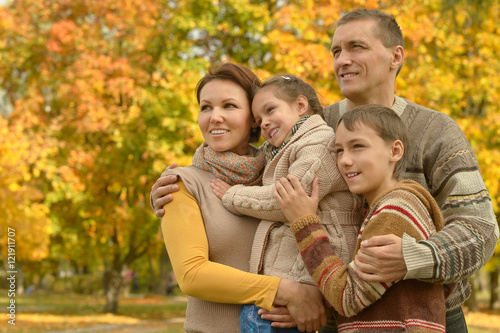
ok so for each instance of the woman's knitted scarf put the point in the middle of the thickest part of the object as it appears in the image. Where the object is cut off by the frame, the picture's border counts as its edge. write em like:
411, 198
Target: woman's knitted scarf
230, 167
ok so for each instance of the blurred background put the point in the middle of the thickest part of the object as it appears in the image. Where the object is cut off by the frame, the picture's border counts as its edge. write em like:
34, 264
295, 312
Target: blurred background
97, 99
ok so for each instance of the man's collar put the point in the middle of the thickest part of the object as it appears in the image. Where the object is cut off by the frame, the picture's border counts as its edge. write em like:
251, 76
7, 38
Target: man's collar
398, 106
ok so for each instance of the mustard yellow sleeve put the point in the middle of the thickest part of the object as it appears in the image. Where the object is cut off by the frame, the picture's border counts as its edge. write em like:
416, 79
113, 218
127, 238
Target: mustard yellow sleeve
187, 246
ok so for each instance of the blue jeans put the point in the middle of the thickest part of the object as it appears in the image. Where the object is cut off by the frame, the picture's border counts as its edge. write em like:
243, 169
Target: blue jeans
455, 323
251, 322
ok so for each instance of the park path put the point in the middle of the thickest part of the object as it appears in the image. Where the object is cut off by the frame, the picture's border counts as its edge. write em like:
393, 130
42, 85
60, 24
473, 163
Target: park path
147, 326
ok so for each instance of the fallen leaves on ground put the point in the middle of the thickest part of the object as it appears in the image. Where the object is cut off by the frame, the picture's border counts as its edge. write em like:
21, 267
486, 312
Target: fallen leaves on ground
33, 322
481, 319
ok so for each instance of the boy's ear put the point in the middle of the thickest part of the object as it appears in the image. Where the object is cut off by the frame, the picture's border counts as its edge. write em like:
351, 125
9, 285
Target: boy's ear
302, 105
397, 150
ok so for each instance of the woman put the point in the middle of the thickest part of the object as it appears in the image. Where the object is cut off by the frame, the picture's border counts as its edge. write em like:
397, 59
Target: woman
209, 247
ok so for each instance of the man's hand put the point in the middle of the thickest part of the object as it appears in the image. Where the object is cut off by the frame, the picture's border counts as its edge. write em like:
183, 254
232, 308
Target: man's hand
305, 304
380, 259
293, 199
160, 192
219, 187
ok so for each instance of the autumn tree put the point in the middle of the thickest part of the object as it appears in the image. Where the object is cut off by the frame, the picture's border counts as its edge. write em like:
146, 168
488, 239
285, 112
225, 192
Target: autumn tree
92, 81
99, 97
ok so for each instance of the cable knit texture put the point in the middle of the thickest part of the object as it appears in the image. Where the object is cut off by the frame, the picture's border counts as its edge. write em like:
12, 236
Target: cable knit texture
309, 154
407, 305
442, 161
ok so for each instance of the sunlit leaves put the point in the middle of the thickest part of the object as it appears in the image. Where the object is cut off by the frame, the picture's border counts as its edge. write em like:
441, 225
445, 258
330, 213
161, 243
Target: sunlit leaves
102, 94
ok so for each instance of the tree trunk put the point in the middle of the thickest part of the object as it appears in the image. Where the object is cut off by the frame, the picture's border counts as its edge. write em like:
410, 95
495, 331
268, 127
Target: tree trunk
20, 280
113, 282
165, 268
494, 290
152, 276
471, 302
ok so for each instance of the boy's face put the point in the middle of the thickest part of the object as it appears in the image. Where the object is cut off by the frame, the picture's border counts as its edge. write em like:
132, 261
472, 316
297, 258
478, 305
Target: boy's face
275, 116
365, 160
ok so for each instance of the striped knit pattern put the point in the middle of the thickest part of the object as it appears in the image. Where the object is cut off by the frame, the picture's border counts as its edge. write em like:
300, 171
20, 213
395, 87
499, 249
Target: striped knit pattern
442, 161
407, 208
413, 326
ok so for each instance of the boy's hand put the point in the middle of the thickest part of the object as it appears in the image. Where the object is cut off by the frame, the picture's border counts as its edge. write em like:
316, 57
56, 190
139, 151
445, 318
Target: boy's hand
219, 187
292, 198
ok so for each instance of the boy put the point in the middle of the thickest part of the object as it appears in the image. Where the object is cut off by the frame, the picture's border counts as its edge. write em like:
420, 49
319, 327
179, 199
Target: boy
370, 146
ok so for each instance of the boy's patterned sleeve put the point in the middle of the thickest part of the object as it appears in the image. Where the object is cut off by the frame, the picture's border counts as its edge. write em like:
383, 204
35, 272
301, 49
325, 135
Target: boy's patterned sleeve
338, 282
399, 213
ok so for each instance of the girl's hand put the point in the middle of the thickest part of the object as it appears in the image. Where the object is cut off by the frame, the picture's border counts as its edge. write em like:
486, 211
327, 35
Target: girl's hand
292, 198
219, 187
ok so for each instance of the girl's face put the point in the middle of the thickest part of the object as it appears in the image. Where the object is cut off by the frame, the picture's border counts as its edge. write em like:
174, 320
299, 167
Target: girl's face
225, 119
275, 116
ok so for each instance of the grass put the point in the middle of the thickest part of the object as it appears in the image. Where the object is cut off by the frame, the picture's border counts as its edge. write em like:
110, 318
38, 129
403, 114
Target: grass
49, 312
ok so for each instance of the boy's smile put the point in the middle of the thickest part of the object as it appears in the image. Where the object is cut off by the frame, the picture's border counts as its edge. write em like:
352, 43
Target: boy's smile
365, 160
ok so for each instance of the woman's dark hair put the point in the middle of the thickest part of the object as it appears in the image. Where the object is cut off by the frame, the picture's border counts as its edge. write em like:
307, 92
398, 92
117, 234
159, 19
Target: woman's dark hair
239, 74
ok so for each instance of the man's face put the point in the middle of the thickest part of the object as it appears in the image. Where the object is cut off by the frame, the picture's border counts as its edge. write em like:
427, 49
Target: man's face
364, 67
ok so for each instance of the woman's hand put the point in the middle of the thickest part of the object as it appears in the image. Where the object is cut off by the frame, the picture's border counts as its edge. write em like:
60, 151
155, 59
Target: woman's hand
305, 304
292, 198
280, 317
219, 187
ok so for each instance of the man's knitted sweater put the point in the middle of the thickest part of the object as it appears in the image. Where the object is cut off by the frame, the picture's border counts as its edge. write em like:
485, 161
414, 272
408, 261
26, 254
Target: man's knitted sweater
442, 161
308, 154
411, 305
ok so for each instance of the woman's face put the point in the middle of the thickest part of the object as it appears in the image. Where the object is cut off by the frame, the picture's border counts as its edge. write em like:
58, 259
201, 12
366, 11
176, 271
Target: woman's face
225, 118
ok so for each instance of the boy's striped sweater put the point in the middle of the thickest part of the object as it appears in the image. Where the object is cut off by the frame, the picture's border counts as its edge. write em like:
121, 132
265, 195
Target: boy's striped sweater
384, 307
442, 161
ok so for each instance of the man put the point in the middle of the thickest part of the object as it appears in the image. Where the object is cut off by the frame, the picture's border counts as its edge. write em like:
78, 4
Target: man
368, 53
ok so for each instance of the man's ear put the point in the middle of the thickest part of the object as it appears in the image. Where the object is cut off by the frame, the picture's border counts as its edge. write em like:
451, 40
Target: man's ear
397, 150
398, 56
302, 105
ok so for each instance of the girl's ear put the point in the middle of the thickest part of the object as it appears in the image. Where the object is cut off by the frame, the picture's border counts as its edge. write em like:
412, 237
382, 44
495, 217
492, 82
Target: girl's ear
302, 105
397, 150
